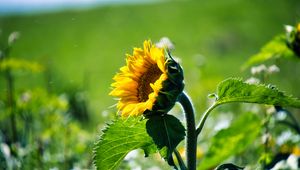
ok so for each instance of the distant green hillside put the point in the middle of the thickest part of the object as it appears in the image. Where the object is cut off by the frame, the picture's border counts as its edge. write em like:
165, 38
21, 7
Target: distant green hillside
89, 45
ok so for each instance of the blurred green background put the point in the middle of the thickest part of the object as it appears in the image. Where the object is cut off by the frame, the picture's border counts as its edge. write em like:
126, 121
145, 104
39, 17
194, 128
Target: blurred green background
82, 49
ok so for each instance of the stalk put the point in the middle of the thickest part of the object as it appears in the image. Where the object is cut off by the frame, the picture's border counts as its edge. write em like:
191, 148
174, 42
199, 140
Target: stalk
203, 119
180, 161
191, 141
10, 98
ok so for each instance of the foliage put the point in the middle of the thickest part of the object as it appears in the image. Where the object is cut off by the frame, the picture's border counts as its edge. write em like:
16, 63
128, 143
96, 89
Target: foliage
167, 132
118, 139
161, 133
276, 48
43, 123
235, 90
232, 140
36, 129
52, 126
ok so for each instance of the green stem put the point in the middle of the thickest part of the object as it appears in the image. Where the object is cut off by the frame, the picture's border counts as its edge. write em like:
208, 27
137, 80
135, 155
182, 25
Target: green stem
191, 141
180, 161
266, 134
10, 98
204, 117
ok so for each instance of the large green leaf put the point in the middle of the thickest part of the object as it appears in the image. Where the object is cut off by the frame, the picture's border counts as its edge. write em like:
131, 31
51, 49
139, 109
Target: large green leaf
118, 139
235, 90
230, 141
167, 132
276, 48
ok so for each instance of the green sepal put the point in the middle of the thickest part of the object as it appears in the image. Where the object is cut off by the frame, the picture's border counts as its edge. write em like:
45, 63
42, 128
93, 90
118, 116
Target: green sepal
171, 88
293, 39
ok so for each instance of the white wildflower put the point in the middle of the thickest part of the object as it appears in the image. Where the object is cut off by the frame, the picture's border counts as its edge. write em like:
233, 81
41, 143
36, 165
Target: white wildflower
165, 42
271, 110
258, 69
292, 161
252, 80
13, 37
288, 28
273, 69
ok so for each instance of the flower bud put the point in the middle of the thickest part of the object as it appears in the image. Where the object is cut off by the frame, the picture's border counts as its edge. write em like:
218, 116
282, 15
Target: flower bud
293, 38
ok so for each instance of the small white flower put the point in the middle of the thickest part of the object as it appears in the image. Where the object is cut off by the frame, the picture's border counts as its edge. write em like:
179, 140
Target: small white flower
258, 69
288, 28
292, 161
165, 42
5, 150
284, 137
273, 69
280, 165
25, 97
13, 37
252, 80
271, 110
281, 115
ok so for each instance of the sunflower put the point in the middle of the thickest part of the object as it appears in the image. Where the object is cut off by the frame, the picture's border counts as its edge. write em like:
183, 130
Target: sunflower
142, 84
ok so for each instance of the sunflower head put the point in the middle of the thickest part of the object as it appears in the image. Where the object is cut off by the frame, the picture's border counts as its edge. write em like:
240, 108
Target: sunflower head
149, 83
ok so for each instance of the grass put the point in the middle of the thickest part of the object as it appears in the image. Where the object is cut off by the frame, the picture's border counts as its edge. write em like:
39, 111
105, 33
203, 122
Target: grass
85, 48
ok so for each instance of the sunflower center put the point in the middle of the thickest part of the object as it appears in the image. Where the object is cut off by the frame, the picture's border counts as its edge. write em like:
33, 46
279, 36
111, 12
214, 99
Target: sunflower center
150, 76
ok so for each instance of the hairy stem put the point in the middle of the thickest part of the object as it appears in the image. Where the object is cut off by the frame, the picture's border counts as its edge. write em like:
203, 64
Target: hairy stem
204, 117
191, 141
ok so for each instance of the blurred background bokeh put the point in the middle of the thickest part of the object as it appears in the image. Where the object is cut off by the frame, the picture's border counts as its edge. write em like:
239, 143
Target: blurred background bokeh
65, 55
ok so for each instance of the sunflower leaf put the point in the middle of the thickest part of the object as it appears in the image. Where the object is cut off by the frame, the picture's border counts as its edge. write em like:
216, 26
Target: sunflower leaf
118, 139
276, 48
235, 90
231, 141
167, 132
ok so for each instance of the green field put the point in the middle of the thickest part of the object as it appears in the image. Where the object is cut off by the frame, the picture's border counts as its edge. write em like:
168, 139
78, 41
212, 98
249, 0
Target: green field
85, 48
92, 43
